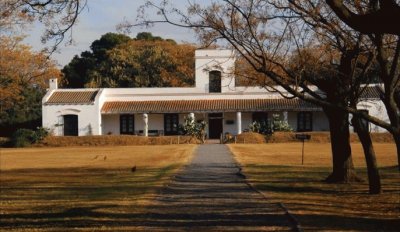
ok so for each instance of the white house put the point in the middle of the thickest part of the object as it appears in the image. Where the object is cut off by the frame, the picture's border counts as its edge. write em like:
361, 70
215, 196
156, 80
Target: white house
155, 111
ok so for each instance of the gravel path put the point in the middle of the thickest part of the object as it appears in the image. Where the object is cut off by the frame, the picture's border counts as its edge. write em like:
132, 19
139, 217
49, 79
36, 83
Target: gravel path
209, 195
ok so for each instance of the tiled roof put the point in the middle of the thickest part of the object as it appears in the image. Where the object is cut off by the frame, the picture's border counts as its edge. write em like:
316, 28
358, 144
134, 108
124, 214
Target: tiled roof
371, 92
72, 97
220, 105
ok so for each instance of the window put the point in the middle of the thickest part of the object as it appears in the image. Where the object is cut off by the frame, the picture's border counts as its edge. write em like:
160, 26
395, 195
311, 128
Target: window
215, 82
171, 122
260, 117
127, 124
304, 121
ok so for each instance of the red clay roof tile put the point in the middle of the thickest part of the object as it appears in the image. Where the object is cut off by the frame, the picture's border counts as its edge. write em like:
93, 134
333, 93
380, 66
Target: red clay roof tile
72, 97
220, 105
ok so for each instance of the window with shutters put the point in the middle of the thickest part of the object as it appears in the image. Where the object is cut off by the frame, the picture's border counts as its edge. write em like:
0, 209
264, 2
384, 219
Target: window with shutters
171, 123
127, 124
304, 121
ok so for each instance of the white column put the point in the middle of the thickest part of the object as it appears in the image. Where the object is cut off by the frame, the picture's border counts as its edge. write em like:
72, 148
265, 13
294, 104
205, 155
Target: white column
285, 116
239, 122
191, 116
146, 125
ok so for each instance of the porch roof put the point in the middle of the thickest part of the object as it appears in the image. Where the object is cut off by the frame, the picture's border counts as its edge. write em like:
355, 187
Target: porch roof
217, 105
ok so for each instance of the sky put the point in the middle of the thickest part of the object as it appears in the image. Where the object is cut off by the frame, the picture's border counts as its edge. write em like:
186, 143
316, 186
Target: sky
100, 17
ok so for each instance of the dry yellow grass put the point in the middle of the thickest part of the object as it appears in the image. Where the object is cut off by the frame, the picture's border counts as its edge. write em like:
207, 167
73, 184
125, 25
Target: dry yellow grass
316, 137
315, 154
276, 170
93, 157
91, 188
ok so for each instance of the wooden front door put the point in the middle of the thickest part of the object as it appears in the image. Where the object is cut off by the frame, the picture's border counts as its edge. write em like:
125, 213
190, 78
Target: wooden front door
70, 125
215, 125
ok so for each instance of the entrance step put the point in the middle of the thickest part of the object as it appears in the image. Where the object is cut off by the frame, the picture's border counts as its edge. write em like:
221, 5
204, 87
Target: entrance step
212, 141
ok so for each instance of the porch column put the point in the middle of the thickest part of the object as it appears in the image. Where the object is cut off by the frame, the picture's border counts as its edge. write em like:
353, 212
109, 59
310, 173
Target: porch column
146, 125
285, 116
239, 122
191, 116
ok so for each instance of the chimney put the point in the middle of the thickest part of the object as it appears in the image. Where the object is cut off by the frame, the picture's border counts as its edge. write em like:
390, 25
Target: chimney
53, 84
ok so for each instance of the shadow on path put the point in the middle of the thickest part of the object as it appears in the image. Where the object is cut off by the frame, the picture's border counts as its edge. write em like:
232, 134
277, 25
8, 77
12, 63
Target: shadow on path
208, 194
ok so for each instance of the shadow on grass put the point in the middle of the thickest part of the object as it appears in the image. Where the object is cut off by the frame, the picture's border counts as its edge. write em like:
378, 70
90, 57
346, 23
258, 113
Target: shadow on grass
89, 217
42, 196
343, 223
322, 206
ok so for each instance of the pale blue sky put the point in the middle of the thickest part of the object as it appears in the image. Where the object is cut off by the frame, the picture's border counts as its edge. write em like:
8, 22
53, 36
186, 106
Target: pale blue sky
100, 17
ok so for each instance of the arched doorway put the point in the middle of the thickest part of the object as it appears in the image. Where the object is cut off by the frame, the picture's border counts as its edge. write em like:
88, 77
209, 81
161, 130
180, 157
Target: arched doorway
214, 82
70, 125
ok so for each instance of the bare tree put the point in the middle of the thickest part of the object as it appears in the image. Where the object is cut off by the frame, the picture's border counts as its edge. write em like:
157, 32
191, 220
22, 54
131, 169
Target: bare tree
262, 32
369, 17
58, 17
379, 19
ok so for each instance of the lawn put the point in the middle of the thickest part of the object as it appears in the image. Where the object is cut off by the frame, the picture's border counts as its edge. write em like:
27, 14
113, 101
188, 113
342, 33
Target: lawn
276, 170
83, 187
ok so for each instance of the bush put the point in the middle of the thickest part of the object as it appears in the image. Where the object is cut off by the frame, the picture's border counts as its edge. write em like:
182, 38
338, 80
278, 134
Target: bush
22, 138
266, 128
196, 130
25, 137
40, 134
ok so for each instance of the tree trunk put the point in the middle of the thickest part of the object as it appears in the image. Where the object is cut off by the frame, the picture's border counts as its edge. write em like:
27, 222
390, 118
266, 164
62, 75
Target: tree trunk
343, 168
397, 141
374, 180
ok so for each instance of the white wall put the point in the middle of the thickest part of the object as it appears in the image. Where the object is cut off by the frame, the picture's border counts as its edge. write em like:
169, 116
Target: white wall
87, 115
155, 122
377, 109
110, 123
209, 60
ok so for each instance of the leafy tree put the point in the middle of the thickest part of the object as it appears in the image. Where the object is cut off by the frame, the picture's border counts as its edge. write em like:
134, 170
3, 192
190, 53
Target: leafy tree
147, 36
23, 80
149, 64
118, 61
107, 42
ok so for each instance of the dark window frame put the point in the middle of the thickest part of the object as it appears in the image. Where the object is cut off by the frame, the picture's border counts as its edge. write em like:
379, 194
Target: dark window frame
127, 124
171, 124
260, 117
304, 121
215, 79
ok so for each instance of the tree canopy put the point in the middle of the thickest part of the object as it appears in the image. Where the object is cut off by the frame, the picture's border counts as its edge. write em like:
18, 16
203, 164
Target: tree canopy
116, 60
24, 77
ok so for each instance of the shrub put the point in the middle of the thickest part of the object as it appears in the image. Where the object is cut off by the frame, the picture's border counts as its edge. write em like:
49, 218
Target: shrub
260, 127
22, 138
196, 130
25, 137
40, 134
279, 125
266, 128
